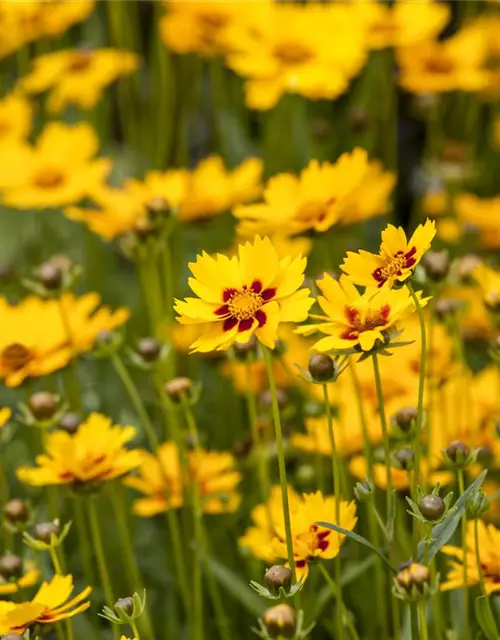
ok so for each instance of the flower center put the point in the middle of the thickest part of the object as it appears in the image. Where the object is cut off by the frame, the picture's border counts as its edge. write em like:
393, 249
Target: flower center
439, 65
313, 540
214, 20
48, 178
15, 356
244, 304
292, 53
373, 320
395, 265
80, 61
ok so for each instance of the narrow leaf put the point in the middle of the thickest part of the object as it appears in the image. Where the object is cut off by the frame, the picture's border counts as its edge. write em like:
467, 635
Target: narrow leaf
359, 539
485, 618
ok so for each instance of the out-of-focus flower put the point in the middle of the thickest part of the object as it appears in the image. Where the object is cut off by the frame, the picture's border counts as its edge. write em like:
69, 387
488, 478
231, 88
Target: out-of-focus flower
396, 259
455, 64
354, 319
34, 339
483, 214
348, 191
404, 23
77, 76
160, 480
94, 454
266, 538
58, 170
50, 604
489, 282
400, 478
291, 51
489, 553
28, 577
5, 414
434, 202
15, 118
249, 294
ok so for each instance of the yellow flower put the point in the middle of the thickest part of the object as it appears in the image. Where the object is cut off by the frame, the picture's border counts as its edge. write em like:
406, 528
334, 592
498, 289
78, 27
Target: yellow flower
455, 64
160, 480
94, 454
324, 194
266, 539
15, 118
489, 554
396, 259
5, 414
251, 293
483, 214
354, 319
291, 50
34, 339
58, 170
50, 604
401, 479
29, 578
489, 282
77, 76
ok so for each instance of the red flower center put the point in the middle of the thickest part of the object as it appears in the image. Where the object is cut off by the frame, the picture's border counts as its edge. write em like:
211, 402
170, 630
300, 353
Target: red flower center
242, 306
394, 266
15, 356
373, 320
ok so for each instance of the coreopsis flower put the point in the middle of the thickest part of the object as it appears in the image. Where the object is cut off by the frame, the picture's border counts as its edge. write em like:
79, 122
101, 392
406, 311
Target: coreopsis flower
50, 604
5, 414
350, 190
396, 260
207, 191
404, 23
28, 577
489, 282
160, 480
77, 76
34, 338
59, 169
252, 293
15, 118
489, 554
483, 214
291, 51
455, 64
267, 539
94, 454
357, 320
401, 479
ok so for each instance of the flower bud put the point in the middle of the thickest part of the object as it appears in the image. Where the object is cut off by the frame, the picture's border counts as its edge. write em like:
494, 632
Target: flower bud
12, 636
436, 265
126, 605
465, 266
457, 452
105, 337
278, 577
477, 504
321, 367
70, 422
415, 576
484, 455
11, 566
405, 418
45, 530
447, 307
16, 511
404, 459
50, 275
432, 507
43, 405
7, 272
266, 398
144, 229
242, 350
313, 409
280, 621
177, 388
158, 207
359, 119
363, 491
149, 349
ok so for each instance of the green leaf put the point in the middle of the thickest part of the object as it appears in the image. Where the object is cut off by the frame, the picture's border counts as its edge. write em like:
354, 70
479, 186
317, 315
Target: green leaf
443, 531
485, 618
359, 539
235, 586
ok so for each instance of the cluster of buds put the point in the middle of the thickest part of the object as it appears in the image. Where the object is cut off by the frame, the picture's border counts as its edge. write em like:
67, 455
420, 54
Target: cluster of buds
431, 509
16, 515
458, 455
279, 584
53, 277
125, 610
47, 535
413, 583
282, 621
43, 409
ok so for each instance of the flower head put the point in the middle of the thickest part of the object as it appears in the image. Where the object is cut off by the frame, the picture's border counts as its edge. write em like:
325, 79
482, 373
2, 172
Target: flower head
77, 76
483, 215
50, 604
58, 170
94, 454
396, 259
489, 283
160, 480
353, 319
251, 293
348, 191
5, 414
15, 118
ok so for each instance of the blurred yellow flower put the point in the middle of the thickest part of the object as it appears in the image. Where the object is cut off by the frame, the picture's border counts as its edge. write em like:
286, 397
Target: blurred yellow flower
353, 319
291, 50
15, 118
34, 339
266, 539
77, 76
401, 479
50, 604
252, 293
324, 194
160, 480
396, 259
91, 456
483, 214
5, 414
489, 282
455, 64
58, 170
28, 578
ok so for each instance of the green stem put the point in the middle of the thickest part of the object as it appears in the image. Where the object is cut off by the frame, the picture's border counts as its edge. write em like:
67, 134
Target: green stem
337, 491
461, 489
423, 621
478, 558
385, 433
135, 631
368, 449
415, 635
68, 623
281, 459
101, 559
335, 589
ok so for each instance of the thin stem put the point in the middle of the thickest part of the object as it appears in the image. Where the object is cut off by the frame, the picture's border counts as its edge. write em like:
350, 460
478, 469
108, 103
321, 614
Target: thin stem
385, 433
337, 491
281, 459
478, 557
335, 588
135, 631
424, 634
101, 559
68, 623
415, 635
461, 489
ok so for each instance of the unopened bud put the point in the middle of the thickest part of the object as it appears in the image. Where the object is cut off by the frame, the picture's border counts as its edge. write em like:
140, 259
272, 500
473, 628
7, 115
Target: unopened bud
432, 507
126, 605
414, 576
359, 118
321, 367
45, 530
70, 422
50, 276
149, 349
405, 418
16, 511
466, 265
242, 350
278, 577
404, 459
477, 504
280, 621
457, 452
158, 207
177, 388
11, 566
43, 405
266, 398
436, 265
447, 307
363, 491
